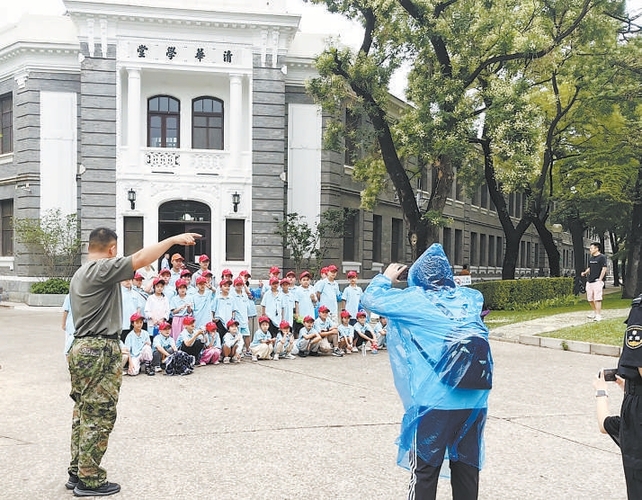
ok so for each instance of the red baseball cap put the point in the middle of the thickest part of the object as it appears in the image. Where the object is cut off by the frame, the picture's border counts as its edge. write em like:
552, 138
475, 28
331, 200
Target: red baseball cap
186, 272
304, 274
239, 281
284, 324
203, 258
225, 282
206, 273
324, 270
291, 273
308, 319
226, 272
351, 274
137, 276
274, 281
284, 281
361, 314
163, 325
275, 270
332, 268
136, 316
324, 309
177, 256
165, 271
263, 319
245, 273
158, 280
180, 283
345, 314
201, 279
232, 322
211, 326
189, 320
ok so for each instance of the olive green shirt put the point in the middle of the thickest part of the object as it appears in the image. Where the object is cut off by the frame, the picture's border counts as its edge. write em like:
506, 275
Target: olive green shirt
95, 295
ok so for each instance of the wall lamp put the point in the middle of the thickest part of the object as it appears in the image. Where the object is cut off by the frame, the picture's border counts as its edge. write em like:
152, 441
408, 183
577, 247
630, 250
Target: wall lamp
236, 199
131, 196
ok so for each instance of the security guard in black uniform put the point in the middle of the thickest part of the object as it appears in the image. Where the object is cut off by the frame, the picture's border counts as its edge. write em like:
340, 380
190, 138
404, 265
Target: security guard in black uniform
630, 421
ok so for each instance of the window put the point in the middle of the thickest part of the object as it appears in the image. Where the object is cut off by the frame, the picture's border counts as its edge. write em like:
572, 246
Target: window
484, 196
350, 236
491, 250
377, 237
499, 260
483, 261
235, 239
352, 152
522, 254
207, 123
163, 122
474, 252
6, 214
459, 247
396, 246
6, 123
447, 243
133, 231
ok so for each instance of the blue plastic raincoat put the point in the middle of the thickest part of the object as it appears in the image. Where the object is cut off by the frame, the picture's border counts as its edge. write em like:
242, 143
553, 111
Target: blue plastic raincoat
437, 344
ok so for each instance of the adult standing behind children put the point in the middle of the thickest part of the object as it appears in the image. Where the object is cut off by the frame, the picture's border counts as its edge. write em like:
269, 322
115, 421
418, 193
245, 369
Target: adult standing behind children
595, 273
95, 356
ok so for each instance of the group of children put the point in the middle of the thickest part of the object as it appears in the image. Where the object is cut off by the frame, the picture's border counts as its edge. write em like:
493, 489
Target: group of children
175, 313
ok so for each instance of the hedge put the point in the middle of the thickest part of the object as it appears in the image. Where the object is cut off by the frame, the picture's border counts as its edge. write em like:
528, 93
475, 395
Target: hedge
514, 294
52, 285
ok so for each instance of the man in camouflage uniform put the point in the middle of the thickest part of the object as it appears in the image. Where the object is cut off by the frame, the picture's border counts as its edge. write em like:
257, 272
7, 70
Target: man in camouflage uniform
95, 358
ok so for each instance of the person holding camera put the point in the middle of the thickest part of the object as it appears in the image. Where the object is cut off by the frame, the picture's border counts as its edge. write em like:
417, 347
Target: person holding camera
626, 429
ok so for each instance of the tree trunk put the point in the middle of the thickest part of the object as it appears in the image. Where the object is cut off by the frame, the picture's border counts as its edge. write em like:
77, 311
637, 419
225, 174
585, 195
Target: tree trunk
633, 278
552, 252
615, 247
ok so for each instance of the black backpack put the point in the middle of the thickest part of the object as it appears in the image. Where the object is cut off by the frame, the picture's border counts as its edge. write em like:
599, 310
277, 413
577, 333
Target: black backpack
466, 363
180, 363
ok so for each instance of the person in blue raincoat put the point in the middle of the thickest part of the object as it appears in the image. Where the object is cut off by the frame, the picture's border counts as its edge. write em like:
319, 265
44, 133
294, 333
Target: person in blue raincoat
442, 366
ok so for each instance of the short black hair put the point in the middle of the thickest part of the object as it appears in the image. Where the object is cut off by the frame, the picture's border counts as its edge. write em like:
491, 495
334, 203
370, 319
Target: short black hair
101, 238
597, 245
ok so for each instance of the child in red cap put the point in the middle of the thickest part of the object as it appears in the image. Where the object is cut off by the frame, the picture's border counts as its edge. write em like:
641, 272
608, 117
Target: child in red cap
284, 342
212, 351
346, 333
262, 343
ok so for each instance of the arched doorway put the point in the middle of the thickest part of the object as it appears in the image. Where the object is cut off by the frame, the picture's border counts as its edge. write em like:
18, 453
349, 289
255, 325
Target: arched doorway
186, 216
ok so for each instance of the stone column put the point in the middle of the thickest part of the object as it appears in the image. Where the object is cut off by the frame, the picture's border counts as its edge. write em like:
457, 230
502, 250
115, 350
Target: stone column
235, 112
133, 115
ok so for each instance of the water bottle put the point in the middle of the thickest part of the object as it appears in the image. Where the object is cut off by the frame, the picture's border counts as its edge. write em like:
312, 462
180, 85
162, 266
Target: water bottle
155, 331
363, 349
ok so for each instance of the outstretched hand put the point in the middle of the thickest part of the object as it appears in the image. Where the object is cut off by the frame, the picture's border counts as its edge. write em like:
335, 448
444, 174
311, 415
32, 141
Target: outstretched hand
187, 238
394, 270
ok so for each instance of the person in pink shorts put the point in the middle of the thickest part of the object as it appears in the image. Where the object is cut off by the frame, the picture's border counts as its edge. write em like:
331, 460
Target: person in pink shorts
211, 353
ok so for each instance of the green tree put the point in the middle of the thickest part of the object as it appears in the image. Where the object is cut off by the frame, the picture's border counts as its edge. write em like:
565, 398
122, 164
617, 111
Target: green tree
467, 60
54, 239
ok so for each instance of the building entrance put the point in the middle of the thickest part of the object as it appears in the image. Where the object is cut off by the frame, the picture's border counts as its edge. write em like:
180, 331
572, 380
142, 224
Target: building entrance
185, 216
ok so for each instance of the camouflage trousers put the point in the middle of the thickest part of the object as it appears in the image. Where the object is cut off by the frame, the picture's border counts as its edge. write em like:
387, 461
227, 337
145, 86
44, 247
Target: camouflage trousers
96, 374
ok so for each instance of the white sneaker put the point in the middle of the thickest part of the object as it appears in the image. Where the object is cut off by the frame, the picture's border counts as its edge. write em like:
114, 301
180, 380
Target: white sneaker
597, 318
289, 356
275, 357
255, 359
226, 360
590, 316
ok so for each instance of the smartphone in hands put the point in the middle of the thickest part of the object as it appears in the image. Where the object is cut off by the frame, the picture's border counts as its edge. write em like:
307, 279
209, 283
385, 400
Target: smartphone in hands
609, 374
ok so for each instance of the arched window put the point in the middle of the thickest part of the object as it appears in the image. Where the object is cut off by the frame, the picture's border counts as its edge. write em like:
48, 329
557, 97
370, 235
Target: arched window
207, 123
163, 122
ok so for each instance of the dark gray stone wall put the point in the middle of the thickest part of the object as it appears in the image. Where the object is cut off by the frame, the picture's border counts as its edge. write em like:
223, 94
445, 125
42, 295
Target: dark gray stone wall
98, 140
26, 156
268, 162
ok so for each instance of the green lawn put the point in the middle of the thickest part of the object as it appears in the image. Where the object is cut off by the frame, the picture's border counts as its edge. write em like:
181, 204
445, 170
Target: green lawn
607, 331
499, 318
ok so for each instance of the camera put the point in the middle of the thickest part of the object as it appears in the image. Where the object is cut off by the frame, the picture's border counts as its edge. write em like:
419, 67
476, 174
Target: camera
404, 275
609, 374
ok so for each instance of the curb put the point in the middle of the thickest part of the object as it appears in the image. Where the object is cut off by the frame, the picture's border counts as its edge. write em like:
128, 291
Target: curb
563, 345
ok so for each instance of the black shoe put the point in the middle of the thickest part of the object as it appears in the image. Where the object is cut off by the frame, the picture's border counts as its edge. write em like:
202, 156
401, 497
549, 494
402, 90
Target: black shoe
71, 482
103, 490
313, 353
149, 369
303, 354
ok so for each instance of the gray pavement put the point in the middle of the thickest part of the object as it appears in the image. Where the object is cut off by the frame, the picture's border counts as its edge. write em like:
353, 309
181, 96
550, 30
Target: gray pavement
312, 428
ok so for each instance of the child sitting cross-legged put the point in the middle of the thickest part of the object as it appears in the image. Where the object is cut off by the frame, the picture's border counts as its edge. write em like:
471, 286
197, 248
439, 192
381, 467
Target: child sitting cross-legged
284, 342
212, 351
164, 346
381, 330
140, 347
232, 342
346, 333
261, 345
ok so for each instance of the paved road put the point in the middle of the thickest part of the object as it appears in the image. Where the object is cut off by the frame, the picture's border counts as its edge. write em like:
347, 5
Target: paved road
315, 428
